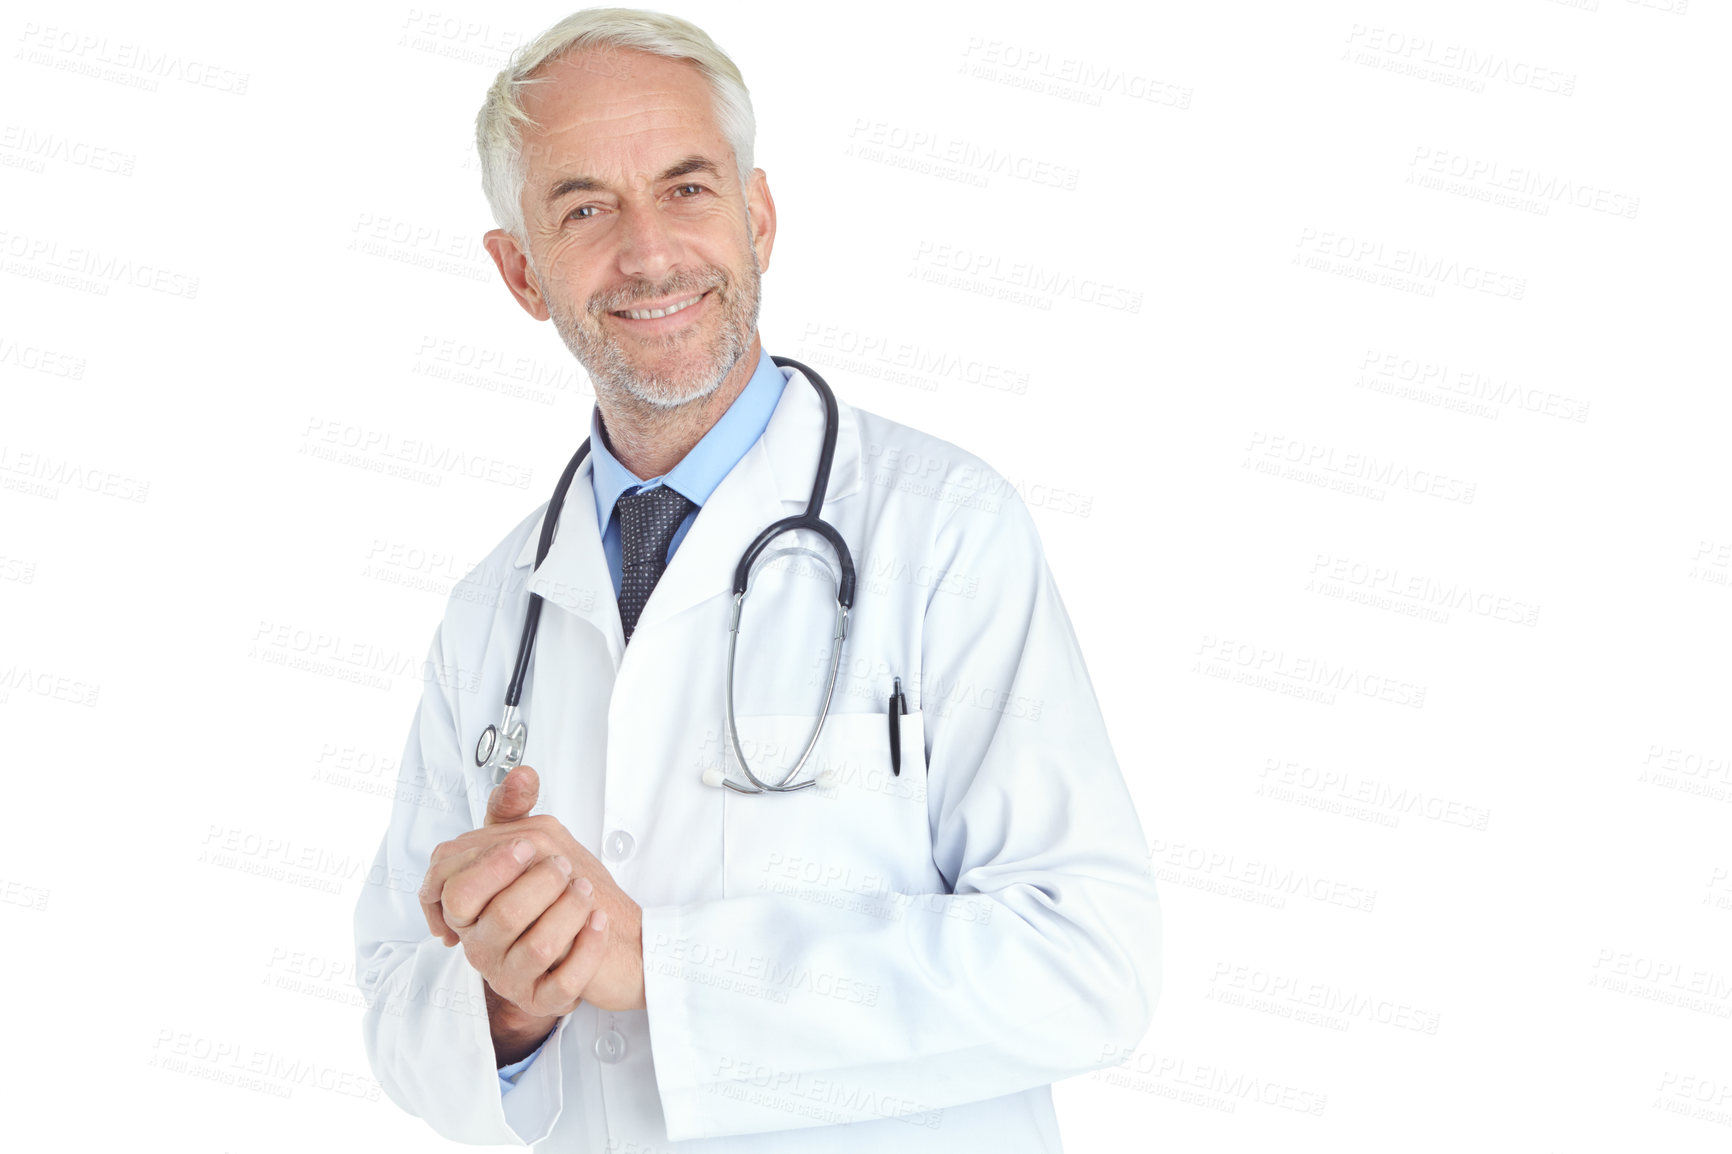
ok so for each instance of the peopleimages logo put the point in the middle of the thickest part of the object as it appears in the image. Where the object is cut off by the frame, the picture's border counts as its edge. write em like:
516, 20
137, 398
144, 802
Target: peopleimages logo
1373, 259
381, 450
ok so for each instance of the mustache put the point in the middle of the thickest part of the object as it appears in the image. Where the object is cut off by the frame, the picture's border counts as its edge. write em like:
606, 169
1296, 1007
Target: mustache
631, 293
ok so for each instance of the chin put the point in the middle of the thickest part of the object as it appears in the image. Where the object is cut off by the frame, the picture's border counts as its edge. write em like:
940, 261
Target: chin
668, 386
668, 400
665, 393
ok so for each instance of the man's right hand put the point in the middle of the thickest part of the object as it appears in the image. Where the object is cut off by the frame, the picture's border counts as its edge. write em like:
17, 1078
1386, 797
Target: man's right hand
532, 943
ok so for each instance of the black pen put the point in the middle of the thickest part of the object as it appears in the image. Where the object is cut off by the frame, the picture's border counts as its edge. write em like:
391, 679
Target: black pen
898, 706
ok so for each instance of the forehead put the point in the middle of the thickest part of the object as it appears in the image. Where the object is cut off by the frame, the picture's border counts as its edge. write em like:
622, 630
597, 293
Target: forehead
618, 115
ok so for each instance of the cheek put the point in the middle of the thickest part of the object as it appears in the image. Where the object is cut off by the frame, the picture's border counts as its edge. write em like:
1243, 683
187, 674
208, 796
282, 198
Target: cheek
561, 264
562, 284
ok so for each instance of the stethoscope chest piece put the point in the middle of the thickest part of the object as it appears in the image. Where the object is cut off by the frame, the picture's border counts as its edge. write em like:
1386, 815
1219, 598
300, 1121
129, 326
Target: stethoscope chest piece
501, 746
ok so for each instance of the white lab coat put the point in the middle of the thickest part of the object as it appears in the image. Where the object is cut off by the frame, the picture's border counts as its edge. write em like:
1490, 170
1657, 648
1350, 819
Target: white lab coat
895, 961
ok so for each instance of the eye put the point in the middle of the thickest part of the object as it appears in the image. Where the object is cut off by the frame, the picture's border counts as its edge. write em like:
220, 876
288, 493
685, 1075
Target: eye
580, 209
682, 192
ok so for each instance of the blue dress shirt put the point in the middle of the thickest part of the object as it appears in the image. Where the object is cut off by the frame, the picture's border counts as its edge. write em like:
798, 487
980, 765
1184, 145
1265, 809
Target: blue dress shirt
695, 478
698, 472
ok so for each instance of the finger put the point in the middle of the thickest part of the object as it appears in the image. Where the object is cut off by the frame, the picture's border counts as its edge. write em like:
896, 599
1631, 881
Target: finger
586, 892
512, 912
561, 987
514, 797
549, 940
467, 892
450, 857
446, 860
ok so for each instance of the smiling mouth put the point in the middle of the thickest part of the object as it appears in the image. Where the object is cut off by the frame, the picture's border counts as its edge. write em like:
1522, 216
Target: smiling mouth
652, 314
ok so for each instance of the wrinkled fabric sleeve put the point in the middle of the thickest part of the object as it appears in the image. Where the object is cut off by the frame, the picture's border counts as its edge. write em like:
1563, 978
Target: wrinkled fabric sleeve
1041, 963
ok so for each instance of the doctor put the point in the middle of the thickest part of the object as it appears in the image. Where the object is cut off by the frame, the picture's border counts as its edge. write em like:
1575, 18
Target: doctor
607, 952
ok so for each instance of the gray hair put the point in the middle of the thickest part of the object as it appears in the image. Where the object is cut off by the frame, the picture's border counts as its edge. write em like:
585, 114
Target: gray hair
498, 127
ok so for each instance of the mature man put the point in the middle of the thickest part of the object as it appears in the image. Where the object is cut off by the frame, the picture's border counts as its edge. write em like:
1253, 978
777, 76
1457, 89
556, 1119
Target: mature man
904, 955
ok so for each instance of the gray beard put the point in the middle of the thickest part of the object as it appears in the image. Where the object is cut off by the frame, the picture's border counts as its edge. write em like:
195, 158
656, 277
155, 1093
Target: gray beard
613, 374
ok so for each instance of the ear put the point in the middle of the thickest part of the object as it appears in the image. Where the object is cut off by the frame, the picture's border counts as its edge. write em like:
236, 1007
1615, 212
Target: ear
763, 217
513, 264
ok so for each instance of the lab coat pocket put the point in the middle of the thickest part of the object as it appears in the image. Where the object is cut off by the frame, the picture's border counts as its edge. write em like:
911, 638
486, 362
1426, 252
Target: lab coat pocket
858, 838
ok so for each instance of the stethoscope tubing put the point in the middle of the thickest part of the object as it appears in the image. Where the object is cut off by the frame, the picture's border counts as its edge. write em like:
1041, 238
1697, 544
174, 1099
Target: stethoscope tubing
514, 732
532, 619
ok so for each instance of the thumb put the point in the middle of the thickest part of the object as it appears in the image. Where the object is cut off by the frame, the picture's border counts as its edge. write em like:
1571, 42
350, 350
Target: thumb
514, 797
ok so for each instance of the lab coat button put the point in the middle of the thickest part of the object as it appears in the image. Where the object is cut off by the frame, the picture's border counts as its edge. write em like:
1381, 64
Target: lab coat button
619, 845
610, 1047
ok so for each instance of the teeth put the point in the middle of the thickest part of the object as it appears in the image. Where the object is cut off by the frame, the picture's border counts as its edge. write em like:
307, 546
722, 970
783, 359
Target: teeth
651, 314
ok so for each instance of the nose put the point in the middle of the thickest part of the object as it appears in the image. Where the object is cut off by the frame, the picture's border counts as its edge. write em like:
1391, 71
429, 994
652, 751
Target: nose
648, 246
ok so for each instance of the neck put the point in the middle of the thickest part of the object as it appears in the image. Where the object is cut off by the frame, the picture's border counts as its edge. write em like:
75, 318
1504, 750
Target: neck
649, 440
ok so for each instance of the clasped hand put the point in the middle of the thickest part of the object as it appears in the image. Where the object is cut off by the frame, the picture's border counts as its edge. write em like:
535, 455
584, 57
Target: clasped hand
539, 917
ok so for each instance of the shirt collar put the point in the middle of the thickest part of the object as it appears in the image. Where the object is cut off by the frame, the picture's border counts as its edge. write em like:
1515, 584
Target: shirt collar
698, 473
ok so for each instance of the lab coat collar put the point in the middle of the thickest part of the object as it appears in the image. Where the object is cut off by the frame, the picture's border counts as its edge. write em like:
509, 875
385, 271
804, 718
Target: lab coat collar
773, 480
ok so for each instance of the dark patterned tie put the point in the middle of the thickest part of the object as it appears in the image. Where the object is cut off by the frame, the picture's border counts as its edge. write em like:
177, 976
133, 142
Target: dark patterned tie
648, 520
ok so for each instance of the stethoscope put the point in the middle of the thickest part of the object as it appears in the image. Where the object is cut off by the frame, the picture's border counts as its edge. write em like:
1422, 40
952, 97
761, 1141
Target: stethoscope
501, 746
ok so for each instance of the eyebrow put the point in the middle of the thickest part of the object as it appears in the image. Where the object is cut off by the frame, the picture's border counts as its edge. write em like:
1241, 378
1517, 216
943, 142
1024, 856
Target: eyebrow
570, 184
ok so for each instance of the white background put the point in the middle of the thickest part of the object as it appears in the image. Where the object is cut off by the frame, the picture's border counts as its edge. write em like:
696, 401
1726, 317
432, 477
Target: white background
1436, 773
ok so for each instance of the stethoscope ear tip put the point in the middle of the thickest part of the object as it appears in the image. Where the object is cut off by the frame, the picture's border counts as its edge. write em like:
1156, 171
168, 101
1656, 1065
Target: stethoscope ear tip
713, 777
